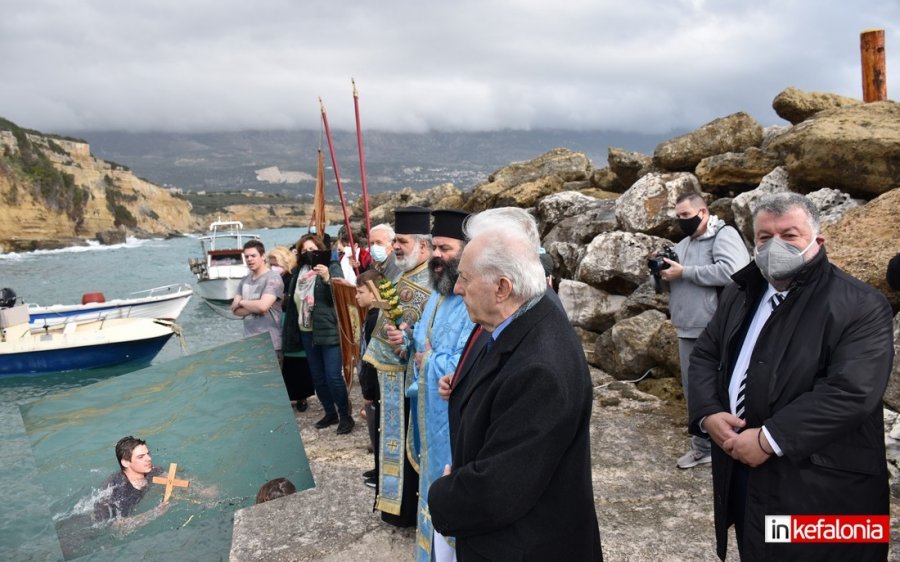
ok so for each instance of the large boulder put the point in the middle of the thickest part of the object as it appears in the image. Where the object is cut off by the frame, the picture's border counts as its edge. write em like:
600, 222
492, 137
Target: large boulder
629, 166
522, 184
795, 105
721, 207
587, 307
664, 351
892, 394
617, 261
593, 218
642, 299
855, 149
734, 133
554, 208
566, 256
865, 239
605, 179
735, 170
742, 206
649, 205
832, 204
623, 351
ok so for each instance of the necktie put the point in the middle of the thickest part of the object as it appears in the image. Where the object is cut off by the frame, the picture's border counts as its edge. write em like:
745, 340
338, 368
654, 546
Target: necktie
739, 409
775, 300
462, 360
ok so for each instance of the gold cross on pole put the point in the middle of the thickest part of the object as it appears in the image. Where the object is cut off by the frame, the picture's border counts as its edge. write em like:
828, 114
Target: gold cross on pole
170, 482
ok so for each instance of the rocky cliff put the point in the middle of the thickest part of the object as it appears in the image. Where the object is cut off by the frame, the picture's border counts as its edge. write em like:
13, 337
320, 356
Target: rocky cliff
55, 193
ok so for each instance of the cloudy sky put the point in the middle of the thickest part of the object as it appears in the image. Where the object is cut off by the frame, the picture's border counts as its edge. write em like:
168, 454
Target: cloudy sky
634, 65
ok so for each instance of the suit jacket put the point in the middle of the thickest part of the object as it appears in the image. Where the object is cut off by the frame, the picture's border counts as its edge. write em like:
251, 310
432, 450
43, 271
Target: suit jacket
816, 379
521, 486
471, 360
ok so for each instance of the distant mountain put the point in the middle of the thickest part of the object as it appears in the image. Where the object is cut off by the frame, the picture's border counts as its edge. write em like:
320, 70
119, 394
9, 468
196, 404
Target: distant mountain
229, 160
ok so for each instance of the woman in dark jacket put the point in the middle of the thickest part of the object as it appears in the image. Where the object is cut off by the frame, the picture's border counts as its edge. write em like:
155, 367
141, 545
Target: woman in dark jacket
295, 368
311, 323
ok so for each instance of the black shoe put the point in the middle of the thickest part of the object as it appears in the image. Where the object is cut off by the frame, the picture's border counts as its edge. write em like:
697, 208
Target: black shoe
346, 425
329, 419
370, 474
302, 405
371, 482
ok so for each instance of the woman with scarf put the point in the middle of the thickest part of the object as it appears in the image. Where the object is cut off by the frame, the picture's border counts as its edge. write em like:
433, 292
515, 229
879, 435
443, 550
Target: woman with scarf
295, 369
311, 325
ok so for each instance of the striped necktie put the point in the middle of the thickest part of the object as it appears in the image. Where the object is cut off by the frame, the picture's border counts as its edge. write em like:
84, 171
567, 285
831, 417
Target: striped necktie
739, 406
775, 300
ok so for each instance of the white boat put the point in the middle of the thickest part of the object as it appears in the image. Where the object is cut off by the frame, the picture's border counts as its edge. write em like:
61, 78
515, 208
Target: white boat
74, 345
160, 302
222, 266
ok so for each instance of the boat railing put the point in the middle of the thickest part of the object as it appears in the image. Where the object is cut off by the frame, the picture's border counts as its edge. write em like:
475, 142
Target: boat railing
160, 291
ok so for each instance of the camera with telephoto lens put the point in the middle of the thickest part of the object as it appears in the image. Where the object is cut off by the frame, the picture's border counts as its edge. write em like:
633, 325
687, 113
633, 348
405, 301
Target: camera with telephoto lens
657, 263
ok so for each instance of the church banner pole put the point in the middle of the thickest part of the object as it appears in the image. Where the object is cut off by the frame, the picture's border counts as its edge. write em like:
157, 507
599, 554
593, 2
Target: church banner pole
362, 160
337, 179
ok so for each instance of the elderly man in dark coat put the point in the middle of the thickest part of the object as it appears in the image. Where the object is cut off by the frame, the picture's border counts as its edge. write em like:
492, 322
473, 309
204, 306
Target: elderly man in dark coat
520, 486
787, 380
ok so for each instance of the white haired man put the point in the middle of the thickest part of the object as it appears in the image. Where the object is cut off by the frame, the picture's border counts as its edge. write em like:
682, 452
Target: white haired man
520, 485
381, 248
787, 379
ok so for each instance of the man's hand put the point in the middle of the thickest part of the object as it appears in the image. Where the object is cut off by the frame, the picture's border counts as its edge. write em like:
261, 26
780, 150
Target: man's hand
444, 389
745, 447
674, 271
235, 303
721, 427
395, 334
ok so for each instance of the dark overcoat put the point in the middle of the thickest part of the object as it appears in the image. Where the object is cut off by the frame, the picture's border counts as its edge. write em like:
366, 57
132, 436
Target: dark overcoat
521, 486
816, 380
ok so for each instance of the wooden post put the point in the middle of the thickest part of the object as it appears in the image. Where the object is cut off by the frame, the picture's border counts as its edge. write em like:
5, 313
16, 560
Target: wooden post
874, 77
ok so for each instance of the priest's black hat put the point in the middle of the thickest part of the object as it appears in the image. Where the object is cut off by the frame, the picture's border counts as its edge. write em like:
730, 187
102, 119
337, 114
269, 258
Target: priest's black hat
412, 220
449, 223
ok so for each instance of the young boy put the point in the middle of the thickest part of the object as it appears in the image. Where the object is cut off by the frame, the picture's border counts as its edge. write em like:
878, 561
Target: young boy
368, 376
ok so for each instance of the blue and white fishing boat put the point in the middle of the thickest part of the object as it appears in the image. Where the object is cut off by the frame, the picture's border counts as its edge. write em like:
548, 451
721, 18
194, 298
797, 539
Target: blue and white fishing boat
75, 345
165, 302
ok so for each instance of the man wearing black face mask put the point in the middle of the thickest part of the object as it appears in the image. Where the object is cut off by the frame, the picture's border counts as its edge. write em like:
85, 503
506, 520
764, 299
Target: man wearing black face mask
787, 380
709, 254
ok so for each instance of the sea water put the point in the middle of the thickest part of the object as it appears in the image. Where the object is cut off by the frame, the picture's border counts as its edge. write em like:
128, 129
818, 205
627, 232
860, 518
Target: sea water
61, 277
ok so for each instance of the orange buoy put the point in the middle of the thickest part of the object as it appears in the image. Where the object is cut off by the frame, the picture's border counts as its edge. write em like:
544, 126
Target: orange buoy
88, 298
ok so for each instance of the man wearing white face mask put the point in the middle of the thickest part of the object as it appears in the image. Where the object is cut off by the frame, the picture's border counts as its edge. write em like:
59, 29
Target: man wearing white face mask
787, 380
381, 248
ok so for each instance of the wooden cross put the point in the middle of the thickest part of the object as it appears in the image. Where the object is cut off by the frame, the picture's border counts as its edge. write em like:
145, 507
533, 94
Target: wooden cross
170, 482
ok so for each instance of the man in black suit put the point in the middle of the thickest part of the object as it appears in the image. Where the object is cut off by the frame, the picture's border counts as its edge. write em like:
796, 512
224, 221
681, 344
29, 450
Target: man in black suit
520, 486
787, 380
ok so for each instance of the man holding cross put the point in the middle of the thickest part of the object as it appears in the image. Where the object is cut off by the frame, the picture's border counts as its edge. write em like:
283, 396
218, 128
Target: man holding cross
124, 489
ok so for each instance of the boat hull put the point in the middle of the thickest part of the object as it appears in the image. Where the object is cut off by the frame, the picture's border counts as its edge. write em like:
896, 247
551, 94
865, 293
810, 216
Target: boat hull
168, 306
87, 357
220, 290
87, 345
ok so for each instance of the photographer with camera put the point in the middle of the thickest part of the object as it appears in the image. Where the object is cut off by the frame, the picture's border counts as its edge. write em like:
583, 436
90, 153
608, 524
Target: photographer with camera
708, 255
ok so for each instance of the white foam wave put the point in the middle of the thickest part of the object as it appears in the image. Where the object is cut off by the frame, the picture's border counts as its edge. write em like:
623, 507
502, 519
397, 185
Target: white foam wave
92, 246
